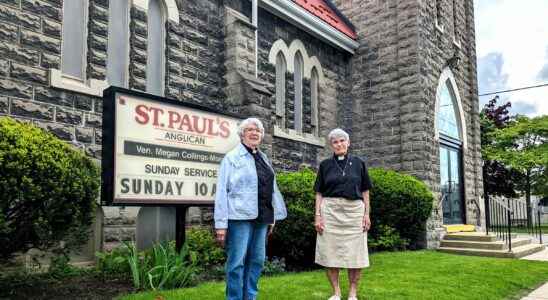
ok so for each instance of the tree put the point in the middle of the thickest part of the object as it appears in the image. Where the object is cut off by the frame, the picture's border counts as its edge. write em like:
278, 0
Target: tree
497, 178
523, 146
48, 190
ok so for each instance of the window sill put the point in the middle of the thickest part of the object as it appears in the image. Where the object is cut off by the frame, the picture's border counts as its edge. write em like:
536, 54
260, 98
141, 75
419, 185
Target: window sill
291, 134
94, 88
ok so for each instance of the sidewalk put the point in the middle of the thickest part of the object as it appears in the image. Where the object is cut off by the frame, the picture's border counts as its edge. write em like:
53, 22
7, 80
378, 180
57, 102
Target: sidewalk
542, 292
539, 294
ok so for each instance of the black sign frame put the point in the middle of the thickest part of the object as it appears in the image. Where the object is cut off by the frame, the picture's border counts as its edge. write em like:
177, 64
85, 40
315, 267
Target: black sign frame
109, 136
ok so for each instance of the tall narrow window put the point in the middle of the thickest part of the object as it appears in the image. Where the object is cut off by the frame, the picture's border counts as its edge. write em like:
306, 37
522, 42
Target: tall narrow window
455, 22
298, 83
280, 90
73, 52
448, 123
439, 22
450, 131
155, 47
314, 92
118, 43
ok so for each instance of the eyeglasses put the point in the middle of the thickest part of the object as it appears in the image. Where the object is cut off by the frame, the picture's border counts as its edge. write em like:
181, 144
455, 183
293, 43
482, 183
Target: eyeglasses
252, 130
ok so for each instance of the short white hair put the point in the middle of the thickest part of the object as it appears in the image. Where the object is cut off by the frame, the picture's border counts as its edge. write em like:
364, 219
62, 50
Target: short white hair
248, 122
338, 133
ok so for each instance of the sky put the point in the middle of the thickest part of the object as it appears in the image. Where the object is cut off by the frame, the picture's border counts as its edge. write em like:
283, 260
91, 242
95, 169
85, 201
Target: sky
512, 52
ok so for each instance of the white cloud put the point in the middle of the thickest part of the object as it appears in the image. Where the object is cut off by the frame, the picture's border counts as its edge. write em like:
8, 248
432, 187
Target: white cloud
518, 30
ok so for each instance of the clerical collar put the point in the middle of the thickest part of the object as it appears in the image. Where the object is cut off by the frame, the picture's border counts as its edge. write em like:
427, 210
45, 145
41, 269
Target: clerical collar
250, 150
339, 157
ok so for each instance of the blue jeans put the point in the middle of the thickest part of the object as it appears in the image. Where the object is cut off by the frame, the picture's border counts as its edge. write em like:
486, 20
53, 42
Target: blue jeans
246, 247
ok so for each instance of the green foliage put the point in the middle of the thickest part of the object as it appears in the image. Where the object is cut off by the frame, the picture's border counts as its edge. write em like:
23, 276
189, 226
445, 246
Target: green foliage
161, 267
295, 237
401, 202
60, 268
522, 145
388, 239
274, 266
201, 244
113, 262
400, 206
48, 190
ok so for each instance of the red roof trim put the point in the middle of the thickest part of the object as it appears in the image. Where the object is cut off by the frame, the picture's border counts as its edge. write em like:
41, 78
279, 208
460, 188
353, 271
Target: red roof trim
321, 10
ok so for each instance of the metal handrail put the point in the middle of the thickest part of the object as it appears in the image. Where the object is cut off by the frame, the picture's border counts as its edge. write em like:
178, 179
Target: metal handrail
504, 217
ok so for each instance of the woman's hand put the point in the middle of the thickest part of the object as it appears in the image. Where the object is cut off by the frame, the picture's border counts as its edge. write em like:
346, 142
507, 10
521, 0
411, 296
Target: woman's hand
366, 223
220, 236
318, 223
271, 228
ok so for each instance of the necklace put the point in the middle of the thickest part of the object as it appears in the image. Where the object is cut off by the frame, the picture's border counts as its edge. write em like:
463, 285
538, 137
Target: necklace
345, 164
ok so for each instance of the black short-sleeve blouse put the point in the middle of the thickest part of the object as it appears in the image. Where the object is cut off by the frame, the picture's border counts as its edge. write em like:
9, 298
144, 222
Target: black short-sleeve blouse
346, 178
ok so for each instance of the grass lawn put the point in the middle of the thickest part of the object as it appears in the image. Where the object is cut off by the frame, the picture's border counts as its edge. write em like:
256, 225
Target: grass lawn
401, 275
543, 228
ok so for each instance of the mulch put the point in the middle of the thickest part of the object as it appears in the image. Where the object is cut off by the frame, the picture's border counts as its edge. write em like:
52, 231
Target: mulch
86, 287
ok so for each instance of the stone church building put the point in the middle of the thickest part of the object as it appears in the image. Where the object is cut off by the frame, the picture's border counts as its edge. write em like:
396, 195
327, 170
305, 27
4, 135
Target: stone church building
399, 75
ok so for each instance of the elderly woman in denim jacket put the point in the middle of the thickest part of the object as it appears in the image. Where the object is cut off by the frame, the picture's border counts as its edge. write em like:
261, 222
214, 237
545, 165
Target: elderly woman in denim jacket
247, 204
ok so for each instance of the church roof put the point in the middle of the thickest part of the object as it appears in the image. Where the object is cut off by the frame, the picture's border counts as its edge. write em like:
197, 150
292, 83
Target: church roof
329, 13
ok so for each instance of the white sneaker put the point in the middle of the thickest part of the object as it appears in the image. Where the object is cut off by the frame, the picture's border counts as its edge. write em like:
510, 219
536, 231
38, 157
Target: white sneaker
352, 298
334, 297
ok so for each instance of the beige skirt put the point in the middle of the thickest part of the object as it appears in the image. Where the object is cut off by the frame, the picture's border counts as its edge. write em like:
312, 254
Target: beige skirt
343, 243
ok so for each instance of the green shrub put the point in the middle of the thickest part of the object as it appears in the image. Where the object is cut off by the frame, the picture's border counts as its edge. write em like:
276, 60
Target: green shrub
401, 202
201, 244
295, 237
113, 262
274, 266
48, 190
400, 206
387, 239
161, 267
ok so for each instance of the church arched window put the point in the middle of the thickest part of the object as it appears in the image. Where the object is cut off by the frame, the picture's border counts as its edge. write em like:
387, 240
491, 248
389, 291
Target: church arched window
156, 47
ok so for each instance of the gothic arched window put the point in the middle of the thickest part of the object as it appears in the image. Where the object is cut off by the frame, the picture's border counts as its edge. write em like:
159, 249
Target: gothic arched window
314, 95
447, 112
298, 83
156, 47
281, 68
118, 43
74, 35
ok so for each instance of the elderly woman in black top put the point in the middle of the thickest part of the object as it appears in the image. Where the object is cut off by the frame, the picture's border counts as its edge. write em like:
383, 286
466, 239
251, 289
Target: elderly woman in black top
342, 214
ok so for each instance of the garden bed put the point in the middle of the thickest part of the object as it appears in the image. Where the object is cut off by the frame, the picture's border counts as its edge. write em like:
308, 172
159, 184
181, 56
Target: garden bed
84, 286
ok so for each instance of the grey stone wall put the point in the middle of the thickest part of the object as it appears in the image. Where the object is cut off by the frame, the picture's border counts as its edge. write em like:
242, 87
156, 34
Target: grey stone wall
395, 74
30, 45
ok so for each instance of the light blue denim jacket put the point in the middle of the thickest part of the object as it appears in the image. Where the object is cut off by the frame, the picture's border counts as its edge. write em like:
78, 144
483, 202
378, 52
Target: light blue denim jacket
237, 189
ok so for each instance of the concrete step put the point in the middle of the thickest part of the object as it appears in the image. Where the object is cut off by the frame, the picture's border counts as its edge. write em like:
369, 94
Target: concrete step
496, 245
516, 252
471, 236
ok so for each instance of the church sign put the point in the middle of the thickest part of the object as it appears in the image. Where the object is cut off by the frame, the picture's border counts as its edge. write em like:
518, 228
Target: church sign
161, 152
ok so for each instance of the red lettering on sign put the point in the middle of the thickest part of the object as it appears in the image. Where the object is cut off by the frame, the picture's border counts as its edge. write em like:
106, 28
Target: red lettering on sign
183, 122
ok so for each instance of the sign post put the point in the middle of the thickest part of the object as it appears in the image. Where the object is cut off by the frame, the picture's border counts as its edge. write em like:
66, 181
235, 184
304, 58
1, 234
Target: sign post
162, 152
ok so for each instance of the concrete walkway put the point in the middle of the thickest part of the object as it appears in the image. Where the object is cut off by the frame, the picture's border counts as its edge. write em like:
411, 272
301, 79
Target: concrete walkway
542, 292
539, 294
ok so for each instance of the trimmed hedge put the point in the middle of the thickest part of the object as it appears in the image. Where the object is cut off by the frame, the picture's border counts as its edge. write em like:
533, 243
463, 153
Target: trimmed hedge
401, 202
48, 190
295, 237
400, 206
